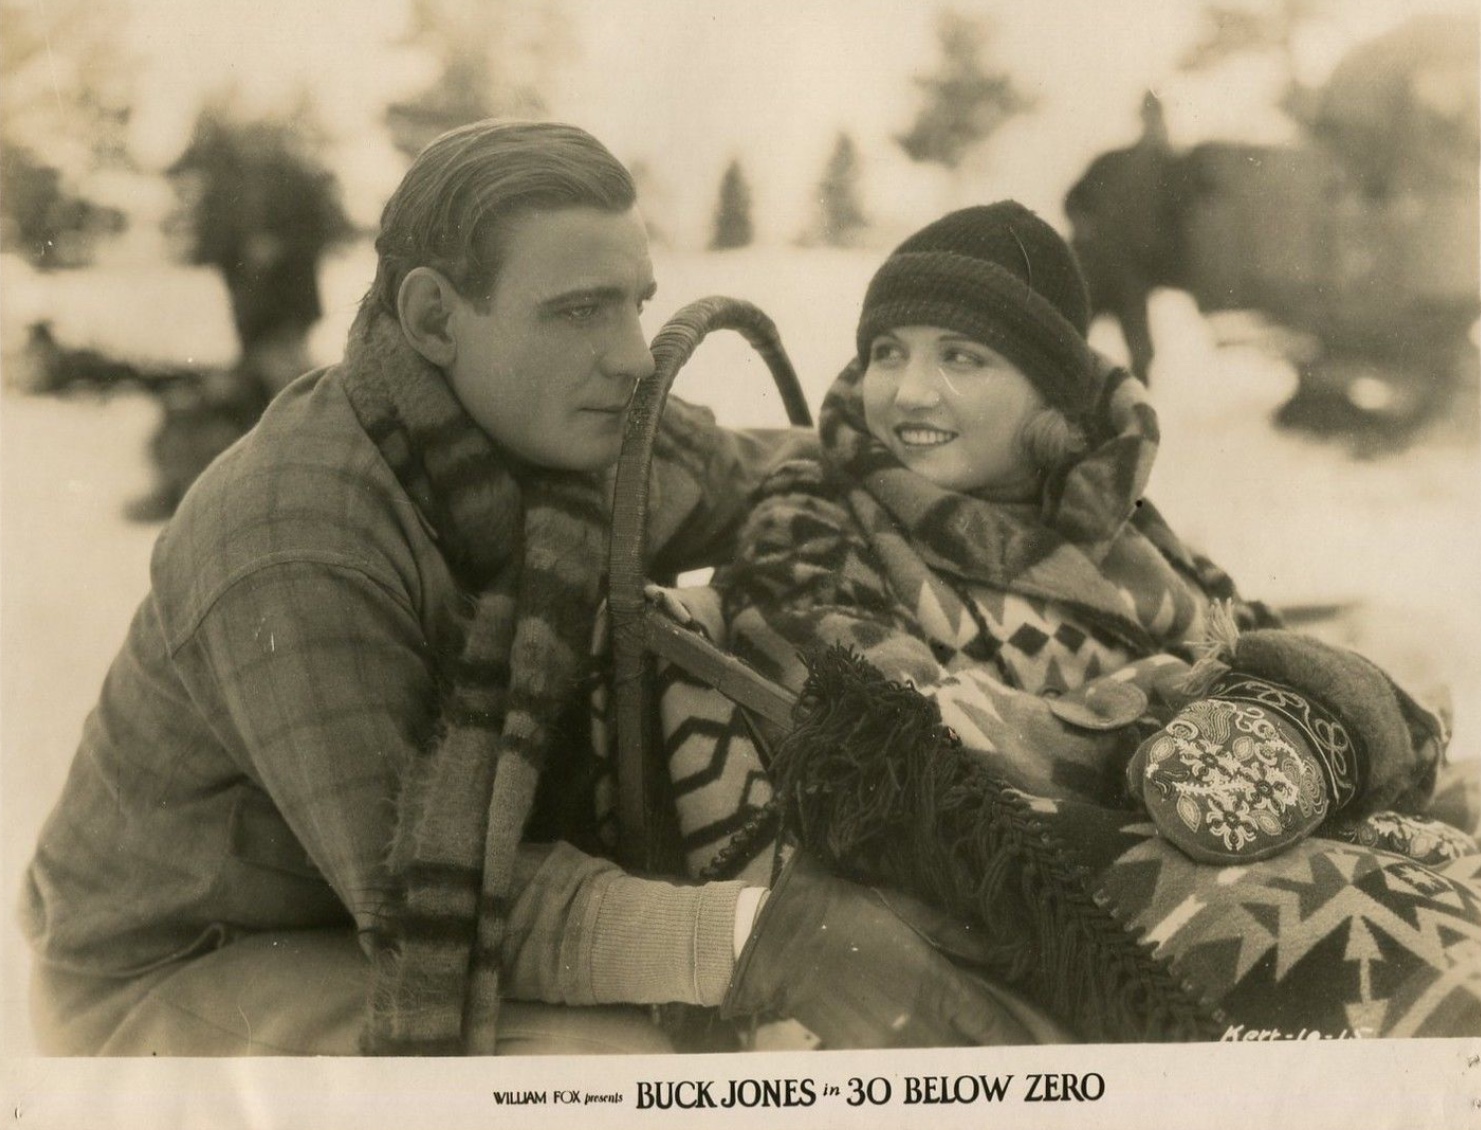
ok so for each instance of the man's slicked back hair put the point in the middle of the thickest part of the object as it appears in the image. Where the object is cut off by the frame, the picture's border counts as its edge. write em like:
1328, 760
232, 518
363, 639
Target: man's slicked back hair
450, 209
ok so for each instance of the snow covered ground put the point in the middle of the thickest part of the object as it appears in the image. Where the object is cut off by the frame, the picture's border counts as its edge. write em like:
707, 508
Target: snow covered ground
1294, 520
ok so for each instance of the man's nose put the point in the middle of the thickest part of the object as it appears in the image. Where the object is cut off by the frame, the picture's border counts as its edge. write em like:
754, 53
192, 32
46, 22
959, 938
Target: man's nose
919, 386
628, 355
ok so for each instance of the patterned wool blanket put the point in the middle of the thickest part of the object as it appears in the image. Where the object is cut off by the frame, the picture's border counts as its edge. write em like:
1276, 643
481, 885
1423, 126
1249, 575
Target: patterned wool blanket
1051, 634
1097, 919
976, 677
1112, 929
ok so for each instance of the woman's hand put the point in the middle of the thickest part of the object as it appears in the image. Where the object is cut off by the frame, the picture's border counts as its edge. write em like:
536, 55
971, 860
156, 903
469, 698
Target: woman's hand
669, 601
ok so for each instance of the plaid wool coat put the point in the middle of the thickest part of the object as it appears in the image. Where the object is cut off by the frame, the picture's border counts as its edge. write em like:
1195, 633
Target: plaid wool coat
238, 773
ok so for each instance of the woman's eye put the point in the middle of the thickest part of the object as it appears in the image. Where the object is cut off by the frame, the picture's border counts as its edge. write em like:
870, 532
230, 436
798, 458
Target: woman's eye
883, 351
963, 358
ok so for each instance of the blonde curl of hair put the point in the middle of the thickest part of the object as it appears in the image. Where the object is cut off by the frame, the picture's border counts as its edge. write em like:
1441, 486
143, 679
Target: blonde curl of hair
1050, 440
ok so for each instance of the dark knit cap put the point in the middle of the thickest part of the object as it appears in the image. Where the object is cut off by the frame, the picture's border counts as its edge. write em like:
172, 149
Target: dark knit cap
1004, 277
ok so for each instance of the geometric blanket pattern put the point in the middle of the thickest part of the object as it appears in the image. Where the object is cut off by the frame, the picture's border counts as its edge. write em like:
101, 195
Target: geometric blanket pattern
1105, 923
1326, 939
719, 783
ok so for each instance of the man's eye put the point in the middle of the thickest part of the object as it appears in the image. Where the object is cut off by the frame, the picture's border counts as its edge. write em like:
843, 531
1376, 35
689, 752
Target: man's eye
581, 311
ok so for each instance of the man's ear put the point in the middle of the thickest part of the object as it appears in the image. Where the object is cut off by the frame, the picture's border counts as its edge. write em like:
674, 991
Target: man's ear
425, 305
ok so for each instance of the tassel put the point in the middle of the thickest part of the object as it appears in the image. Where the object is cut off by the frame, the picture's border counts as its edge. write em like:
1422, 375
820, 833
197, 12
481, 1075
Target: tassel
1216, 650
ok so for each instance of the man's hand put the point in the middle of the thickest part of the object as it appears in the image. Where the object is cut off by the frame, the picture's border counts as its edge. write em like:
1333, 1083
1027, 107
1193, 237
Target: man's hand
862, 968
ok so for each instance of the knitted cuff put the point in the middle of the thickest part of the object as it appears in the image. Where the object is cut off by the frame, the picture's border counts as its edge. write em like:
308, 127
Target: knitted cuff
655, 942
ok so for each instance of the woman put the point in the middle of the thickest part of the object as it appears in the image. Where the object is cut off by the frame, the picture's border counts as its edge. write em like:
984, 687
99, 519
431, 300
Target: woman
987, 620
975, 525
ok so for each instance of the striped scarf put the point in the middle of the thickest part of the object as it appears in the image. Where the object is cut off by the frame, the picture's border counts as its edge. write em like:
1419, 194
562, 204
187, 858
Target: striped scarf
1091, 542
527, 546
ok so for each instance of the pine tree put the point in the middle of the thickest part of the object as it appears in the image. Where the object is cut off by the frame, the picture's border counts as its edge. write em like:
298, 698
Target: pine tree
262, 209
840, 217
1236, 29
733, 210
493, 61
965, 103
68, 83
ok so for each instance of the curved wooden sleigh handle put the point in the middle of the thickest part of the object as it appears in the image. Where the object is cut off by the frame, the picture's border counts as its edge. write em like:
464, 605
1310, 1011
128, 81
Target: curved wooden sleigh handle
637, 635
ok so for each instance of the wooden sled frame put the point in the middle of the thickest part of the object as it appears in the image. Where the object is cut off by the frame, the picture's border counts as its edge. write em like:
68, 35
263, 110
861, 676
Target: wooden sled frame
641, 634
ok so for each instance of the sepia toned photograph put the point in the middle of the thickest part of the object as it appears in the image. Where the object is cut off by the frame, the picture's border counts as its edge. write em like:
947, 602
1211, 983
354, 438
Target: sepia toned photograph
800, 560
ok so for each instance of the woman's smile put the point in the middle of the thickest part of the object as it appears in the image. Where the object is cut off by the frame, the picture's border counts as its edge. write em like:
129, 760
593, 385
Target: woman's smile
923, 435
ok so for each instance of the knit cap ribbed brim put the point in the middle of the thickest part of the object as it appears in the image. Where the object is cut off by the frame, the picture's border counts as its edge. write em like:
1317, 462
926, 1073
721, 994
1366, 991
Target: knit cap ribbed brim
1002, 276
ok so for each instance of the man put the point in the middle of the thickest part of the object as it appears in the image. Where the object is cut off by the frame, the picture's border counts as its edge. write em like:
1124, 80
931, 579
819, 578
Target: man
327, 801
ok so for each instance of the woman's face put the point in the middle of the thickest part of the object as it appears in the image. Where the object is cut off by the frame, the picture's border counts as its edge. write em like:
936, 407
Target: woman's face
951, 409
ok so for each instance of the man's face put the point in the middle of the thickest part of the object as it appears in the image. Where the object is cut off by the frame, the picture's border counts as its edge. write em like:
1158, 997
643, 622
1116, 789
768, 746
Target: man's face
548, 367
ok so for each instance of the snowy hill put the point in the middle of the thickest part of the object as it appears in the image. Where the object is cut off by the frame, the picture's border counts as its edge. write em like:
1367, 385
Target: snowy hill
1393, 540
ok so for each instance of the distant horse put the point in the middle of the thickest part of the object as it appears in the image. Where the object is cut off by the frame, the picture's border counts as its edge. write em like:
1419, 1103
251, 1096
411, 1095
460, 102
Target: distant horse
1239, 227
1126, 216
263, 212
1362, 237
1384, 286
204, 409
